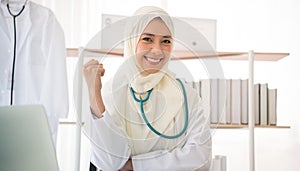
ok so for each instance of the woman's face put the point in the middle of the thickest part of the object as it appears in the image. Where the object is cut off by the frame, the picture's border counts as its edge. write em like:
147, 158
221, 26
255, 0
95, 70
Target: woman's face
154, 46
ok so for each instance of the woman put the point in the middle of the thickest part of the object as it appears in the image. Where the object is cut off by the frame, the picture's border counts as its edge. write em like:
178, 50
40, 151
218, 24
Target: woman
146, 118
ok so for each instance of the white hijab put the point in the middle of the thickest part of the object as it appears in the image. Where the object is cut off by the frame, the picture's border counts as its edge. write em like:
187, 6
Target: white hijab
165, 108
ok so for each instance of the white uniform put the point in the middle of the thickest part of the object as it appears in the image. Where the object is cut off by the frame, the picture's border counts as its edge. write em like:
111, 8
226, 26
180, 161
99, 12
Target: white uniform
122, 133
111, 150
40, 68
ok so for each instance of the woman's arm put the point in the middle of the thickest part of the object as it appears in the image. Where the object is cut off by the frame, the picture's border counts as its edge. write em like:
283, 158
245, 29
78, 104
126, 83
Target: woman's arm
109, 146
93, 71
195, 154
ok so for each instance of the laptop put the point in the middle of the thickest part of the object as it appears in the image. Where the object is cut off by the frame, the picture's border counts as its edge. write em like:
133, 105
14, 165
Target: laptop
25, 139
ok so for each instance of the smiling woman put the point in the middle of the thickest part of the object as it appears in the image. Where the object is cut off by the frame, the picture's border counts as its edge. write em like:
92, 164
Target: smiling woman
154, 47
146, 119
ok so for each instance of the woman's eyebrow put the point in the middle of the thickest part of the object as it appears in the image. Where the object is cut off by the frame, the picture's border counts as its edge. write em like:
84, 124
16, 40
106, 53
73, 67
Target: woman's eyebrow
152, 35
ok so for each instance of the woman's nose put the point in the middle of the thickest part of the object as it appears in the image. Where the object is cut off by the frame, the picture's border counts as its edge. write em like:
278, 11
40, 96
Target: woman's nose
156, 48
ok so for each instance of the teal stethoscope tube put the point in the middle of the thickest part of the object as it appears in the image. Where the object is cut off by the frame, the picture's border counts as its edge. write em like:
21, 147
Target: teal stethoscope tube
141, 101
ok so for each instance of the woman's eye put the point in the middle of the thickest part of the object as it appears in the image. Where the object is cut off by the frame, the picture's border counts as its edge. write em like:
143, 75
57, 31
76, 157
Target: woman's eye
147, 39
166, 41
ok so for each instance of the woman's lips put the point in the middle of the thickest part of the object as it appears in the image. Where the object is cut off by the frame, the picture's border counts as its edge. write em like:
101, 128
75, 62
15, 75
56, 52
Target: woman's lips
153, 61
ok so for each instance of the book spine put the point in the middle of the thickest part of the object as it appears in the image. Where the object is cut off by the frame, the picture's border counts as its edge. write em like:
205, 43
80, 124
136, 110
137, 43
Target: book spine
205, 96
236, 101
228, 101
272, 106
256, 104
214, 101
264, 104
244, 103
222, 100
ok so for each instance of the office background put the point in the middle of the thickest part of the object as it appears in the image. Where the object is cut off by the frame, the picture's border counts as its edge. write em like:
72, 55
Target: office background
242, 25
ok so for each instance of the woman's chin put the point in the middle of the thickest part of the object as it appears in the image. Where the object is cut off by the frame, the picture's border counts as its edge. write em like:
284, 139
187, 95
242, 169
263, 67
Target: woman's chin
151, 71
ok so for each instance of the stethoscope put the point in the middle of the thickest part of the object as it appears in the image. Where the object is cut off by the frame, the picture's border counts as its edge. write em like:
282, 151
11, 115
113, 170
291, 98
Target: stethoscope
15, 48
141, 101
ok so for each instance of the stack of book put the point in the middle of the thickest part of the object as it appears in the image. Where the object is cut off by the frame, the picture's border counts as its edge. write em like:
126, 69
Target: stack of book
218, 163
226, 101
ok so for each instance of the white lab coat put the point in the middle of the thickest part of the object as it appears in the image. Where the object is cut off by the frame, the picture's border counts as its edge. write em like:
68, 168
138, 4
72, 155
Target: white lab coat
111, 150
40, 70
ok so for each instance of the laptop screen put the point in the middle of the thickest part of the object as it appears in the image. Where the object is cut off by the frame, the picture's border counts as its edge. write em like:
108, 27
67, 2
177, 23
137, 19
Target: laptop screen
25, 139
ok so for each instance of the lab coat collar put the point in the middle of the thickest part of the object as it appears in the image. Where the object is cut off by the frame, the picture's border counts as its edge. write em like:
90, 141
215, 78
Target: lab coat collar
23, 22
7, 14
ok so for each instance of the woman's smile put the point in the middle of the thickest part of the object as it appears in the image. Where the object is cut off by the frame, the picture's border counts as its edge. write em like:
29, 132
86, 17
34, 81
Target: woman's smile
153, 61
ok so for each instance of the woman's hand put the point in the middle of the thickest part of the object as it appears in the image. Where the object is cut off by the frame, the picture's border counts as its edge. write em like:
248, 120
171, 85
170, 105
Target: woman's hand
127, 166
93, 71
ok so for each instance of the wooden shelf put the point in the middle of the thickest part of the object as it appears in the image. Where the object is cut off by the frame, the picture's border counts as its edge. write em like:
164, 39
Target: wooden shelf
229, 126
220, 126
184, 55
65, 122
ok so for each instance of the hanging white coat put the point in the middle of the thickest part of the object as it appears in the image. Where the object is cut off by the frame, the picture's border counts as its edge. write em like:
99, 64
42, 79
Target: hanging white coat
40, 67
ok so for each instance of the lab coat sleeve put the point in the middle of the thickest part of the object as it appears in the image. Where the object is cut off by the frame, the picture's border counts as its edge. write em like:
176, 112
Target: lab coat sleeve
54, 93
55, 82
109, 146
195, 154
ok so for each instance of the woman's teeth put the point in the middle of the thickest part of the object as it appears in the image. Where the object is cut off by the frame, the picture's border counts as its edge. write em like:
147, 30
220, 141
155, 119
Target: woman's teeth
153, 60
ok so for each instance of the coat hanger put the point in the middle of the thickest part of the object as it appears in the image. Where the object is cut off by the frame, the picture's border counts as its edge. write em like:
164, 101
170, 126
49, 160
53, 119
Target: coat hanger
15, 5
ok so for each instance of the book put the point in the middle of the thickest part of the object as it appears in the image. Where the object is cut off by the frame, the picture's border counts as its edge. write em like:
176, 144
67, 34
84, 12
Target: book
256, 104
214, 101
244, 101
222, 97
263, 97
236, 101
216, 164
219, 163
223, 162
272, 106
196, 86
205, 96
228, 101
